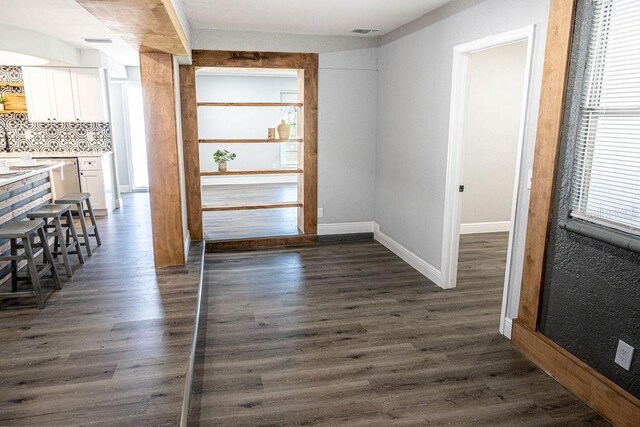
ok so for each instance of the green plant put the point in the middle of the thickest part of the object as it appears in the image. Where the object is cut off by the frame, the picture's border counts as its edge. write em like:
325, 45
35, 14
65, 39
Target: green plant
223, 156
3, 99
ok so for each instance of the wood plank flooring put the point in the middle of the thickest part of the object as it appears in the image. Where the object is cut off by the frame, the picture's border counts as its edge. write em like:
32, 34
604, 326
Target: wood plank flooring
112, 347
254, 223
349, 334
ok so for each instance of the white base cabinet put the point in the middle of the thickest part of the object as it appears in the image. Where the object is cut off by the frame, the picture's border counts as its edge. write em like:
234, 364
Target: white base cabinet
95, 178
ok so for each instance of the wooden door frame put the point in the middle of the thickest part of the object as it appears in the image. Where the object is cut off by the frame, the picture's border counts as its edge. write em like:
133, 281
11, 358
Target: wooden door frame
602, 394
306, 65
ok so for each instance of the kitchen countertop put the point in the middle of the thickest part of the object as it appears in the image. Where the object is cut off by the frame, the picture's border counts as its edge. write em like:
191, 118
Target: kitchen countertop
27, 173
53, 155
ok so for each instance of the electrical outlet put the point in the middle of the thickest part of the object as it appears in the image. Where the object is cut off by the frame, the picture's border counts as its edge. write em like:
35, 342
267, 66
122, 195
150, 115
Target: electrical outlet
320, 212
624, 355
529, 178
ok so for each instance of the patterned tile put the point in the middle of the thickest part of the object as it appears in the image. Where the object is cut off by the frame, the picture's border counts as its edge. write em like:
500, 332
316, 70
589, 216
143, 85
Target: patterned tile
22, 135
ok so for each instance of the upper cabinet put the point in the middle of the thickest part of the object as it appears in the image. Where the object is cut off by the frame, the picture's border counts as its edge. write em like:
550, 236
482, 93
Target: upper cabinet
89, 94
65, 94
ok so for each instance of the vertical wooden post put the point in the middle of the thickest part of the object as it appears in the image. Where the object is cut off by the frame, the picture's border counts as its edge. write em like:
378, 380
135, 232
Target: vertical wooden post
301, 148
308, 155
156, 71
191, 147
550, 117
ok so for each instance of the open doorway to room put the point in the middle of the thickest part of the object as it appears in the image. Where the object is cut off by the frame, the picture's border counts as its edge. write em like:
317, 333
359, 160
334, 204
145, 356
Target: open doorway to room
241, 112
135, 137
489, 98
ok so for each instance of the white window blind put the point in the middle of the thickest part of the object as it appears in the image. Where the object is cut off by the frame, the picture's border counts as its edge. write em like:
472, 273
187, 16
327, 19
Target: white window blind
606, 180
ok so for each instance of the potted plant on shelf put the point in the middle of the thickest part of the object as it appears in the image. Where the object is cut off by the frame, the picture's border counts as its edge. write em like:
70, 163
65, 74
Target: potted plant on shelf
3, 99
221, 157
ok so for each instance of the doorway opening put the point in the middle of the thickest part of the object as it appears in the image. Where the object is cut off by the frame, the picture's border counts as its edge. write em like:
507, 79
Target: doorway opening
240, 113
135, 137
488, 111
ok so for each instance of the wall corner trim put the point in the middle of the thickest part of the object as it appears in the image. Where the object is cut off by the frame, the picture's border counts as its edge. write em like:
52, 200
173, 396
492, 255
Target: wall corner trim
507, 327
607, 398
426, 269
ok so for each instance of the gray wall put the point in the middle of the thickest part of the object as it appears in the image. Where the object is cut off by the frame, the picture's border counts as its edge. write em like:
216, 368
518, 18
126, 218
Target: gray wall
347, 97
591, 289
413, 121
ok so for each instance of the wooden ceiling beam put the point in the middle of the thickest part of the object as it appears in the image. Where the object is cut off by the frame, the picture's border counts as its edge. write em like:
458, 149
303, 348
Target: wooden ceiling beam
147, 25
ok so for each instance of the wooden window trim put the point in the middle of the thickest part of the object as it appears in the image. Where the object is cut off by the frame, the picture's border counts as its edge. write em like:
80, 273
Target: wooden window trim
604, 396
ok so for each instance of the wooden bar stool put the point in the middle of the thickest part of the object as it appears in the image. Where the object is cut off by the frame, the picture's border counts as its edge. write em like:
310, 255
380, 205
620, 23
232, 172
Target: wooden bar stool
55, 213
26, 232
79, 199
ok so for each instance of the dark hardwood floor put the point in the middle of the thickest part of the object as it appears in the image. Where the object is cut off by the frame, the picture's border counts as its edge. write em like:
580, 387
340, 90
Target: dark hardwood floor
349, 334
249, 223
112, 347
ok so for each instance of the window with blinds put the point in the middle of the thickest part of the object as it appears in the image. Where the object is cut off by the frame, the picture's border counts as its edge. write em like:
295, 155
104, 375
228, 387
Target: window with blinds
606, 180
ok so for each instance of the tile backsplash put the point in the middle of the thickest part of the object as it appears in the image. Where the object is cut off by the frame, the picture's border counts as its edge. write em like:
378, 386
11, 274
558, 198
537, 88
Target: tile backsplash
47, 137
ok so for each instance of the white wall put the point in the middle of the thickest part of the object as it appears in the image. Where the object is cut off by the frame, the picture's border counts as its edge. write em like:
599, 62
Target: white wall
413, 121
240, 122
277, 42
118, 124
491, 133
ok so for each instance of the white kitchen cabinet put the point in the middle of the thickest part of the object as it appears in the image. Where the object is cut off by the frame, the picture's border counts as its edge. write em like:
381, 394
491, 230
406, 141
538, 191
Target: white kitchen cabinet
58, 94
37, 86
61, 95
89, 95
95, 178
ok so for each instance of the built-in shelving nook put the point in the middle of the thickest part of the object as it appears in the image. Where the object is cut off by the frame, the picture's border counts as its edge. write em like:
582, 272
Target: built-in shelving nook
211, 215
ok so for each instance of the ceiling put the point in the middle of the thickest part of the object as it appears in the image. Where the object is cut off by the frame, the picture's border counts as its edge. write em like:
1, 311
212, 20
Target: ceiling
66, 20
321, 17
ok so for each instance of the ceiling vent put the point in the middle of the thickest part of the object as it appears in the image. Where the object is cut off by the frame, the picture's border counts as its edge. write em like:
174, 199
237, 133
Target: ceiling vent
364, 31
102, 41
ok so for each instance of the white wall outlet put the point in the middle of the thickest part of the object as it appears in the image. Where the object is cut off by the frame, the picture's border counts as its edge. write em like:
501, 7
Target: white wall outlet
529, 178
320, 212
624, 355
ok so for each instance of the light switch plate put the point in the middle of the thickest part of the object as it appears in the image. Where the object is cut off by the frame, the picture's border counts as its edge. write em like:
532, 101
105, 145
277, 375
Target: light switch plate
320, 212
624, 355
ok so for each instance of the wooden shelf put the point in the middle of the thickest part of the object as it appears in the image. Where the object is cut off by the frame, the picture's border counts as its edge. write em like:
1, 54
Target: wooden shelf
249, 104
248, 141
6, 84
13, 111
251, 207
253, 172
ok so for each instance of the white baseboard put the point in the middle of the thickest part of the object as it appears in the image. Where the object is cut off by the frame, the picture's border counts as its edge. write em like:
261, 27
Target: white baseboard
506, 328
187, 246
485, 227
346, 228
257, 179
426, 269
125, 188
